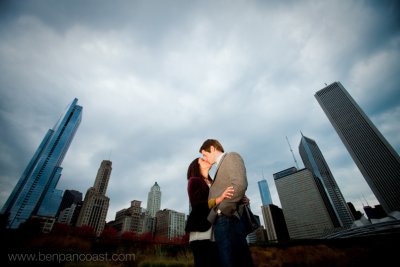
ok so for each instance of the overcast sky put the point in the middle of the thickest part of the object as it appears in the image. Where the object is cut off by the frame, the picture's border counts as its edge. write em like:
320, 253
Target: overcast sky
157, 78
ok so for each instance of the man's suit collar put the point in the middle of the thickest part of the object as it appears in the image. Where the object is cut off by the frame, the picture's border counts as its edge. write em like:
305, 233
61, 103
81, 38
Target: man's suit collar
219, 164
219, 159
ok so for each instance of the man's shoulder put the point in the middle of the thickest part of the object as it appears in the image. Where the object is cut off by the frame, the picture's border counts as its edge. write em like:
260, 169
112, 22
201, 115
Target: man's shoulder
232, 159
233, 155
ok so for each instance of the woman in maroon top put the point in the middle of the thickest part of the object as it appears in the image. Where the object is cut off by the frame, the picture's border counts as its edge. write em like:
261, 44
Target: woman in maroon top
199, 228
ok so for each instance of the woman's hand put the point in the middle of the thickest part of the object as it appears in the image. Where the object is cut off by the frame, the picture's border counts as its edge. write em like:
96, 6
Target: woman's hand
245, 200
228, 193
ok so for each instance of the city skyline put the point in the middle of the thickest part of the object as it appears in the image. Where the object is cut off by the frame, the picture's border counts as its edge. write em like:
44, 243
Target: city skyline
156, 185
156, 79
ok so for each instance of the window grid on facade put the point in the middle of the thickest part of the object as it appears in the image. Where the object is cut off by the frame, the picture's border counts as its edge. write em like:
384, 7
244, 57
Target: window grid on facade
374, 156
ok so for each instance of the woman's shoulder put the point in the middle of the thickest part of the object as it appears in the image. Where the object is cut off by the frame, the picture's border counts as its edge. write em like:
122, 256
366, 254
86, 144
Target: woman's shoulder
195, 180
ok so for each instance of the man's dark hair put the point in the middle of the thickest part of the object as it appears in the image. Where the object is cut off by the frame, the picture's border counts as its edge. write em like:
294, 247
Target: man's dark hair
211, 142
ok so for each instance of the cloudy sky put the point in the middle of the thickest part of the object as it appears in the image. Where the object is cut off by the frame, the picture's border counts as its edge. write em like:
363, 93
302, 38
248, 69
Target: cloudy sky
157, 78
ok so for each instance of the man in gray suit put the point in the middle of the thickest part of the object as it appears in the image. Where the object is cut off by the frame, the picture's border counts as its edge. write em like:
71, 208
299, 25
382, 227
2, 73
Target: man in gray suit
229, 230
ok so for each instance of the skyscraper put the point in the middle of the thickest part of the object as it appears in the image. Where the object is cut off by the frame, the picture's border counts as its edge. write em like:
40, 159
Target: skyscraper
264, 192
95, 205
375, 157
305, 212
275, 224
35, 192
70, 197
170, 224
68, 207
274, 220
154, 200
314, 161
129, 219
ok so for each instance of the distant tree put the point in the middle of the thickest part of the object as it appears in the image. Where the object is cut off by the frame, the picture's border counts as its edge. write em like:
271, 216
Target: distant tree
107, 240
4, 219
129, 236
85, 231
185, 239
61, 229
109, 233
161, 239
180, 240
30, 227
146, 237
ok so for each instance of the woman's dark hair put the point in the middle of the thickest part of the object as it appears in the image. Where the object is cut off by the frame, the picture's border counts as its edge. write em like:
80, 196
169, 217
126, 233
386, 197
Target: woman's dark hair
194, 170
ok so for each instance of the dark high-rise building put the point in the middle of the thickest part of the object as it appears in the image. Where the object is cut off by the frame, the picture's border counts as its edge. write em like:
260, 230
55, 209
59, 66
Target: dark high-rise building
68, 207
303, 206
375, 157
275, 224
36, 193
356, 213
314, 161
70, 197
274, 221
376, 212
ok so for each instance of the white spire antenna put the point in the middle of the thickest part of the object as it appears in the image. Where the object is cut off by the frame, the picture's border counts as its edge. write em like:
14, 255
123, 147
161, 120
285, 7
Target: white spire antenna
365, 200
291, 150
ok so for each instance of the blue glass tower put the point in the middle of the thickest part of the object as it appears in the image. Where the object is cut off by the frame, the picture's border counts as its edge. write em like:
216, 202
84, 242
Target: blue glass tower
264, 192
35, 192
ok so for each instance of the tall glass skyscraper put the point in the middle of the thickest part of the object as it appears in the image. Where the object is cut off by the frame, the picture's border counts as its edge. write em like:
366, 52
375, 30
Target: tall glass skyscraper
375, 157
264, 192
314, 161
35, 191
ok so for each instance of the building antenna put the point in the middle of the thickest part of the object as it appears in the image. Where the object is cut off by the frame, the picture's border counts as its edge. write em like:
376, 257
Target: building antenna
291, 150
365, 200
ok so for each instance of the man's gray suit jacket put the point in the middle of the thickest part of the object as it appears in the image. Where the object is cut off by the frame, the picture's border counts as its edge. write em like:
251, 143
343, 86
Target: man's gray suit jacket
231, 172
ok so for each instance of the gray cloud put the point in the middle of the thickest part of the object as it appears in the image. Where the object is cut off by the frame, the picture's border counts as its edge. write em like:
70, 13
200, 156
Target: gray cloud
156, 79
